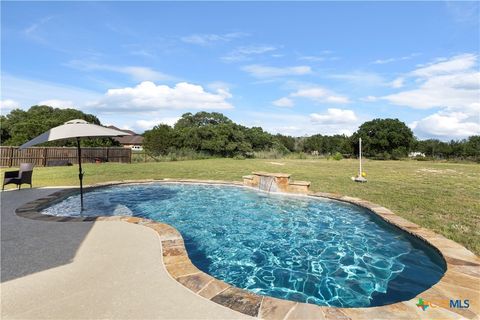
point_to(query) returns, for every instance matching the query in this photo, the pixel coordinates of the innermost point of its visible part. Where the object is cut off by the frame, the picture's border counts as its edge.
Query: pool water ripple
(303, 249)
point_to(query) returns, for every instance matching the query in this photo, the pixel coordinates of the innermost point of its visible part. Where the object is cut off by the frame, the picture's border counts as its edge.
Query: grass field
(444, 197)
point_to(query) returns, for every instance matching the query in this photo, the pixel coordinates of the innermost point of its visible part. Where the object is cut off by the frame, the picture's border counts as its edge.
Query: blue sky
(291, 67)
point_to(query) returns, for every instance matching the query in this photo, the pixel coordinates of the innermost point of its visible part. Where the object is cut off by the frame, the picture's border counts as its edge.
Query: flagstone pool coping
(461, 280)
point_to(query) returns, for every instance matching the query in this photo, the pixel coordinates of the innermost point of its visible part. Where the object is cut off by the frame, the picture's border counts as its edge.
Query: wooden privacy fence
(45, 156)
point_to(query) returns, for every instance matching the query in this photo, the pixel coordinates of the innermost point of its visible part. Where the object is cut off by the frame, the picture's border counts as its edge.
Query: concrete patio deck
(89, 270)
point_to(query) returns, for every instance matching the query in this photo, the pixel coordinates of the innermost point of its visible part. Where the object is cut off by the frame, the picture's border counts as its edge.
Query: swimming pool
(299, 248)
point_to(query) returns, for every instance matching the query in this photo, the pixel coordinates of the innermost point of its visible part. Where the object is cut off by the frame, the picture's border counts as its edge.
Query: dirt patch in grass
(277, 163)
(438, 171)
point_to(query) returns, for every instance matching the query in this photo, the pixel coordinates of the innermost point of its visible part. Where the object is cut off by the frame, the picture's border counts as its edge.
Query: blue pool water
(299, 248)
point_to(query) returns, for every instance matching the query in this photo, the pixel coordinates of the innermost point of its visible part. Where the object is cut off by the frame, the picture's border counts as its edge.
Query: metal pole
(360, 142)
(80, 173)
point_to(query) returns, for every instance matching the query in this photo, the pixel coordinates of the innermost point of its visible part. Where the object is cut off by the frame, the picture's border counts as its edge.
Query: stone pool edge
(460, 281)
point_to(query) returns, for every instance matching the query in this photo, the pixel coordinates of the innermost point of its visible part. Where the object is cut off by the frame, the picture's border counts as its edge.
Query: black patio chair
(24, 175)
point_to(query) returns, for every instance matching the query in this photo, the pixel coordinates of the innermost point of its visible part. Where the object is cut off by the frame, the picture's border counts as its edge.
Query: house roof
(133, 138)
(130, 139)
(127, 131)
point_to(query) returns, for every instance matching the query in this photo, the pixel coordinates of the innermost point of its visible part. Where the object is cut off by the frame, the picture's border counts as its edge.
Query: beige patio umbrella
(75, 129)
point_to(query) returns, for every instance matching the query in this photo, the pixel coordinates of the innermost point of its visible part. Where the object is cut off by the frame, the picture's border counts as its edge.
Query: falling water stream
(267, 183)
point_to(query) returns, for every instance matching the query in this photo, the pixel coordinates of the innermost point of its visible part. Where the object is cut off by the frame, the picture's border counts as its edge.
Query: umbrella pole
(80, 173)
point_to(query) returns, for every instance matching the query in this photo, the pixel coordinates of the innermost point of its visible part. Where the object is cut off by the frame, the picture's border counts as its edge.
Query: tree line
(212, 134)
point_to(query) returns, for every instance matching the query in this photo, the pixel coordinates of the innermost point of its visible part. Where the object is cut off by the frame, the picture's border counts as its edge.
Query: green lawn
(444, 197)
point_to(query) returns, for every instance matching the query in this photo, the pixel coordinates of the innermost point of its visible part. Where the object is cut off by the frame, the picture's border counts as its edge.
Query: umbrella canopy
(75, 129)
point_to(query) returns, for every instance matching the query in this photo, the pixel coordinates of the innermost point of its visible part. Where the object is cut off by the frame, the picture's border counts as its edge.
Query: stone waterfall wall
(275, 182)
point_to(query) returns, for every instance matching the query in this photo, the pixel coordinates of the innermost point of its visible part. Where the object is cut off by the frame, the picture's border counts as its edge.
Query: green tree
(433, 148)
(380, 137)
(286, 141)
(201, 119)
(259, 139)
(159, 140)
(472, 147)
(314, 143)
(4, 129)
(329, 144)
(212, 133)
(19, 126)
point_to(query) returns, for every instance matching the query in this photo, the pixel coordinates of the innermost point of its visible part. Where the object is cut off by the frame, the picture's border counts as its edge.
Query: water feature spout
(275, 182)
(266, 183)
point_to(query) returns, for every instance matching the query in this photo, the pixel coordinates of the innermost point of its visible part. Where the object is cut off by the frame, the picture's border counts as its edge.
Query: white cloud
(464, 12)
(147, 96)
(448, 124)
(320, 94)
(384, 61)
(149, 124)
(295, 124)
(261, 71)
(33, 31)
(369, 99)
(390, 60)
(136, 72)
(314, 93)
(283, 102)
(453, 84)
(448, 91)
(7, 105)
(142, 73)
(142, 53)
(211, 38)
(28, 92)
(57, 103)
(245, 53)
(313, 58)
(397, 83)
(361, 79)
(334, 116)
(222, 88)
(325, 55)
(450, 84)
(219, 85)
(455, 64)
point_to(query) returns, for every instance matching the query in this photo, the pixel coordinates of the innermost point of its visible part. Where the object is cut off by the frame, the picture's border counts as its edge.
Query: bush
(337, 156)
(296, 155)
(239, 157)
(399, 153)
(277, 152)
(419, 158)
(270, 154)
(382, 156)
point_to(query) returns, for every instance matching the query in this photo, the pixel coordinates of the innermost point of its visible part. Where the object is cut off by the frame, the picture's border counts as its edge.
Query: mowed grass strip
(444, 197)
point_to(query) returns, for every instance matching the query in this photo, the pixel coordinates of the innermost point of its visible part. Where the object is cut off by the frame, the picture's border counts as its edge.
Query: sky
(296, 68)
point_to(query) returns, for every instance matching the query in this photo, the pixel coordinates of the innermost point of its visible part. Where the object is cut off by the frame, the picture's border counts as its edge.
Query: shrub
(382, 156)
(399, 153)
(239, 157)
(419, 158)
(296, 155)
(270, 154)
(337, 156)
